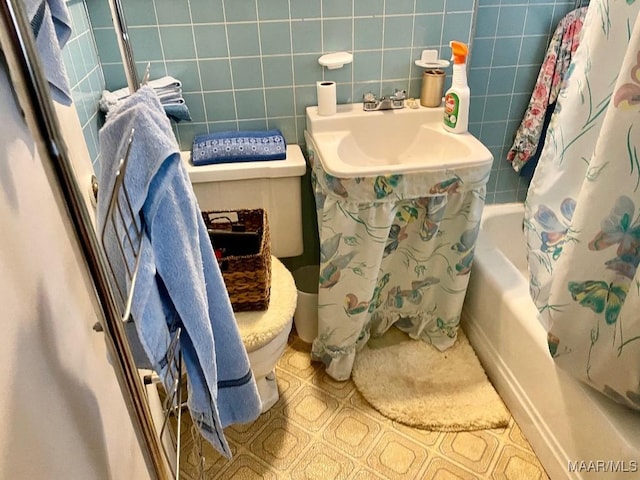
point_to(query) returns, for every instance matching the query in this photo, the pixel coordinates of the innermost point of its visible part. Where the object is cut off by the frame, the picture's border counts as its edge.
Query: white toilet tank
(272, 185)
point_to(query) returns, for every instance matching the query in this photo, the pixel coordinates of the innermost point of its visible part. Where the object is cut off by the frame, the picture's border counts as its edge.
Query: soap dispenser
(456, 100)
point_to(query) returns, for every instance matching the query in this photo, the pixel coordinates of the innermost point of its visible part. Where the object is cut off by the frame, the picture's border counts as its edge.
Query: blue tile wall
(511, 37)
(85, 75)
(248, 63)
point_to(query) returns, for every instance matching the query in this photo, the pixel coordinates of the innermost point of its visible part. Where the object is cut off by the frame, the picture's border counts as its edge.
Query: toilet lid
(260, 327)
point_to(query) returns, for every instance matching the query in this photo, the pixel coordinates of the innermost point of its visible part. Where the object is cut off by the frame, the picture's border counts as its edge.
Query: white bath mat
(415, 384)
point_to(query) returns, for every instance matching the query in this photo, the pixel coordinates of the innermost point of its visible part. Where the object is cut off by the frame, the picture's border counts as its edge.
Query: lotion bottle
(456, 99)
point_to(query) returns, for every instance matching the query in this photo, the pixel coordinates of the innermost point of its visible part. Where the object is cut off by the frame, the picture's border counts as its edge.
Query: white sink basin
(355, 143)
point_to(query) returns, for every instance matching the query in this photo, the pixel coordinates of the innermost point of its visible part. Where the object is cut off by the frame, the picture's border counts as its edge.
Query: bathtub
(566, 422)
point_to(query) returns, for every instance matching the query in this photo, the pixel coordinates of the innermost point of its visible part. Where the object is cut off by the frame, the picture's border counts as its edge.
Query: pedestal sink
(399, 202)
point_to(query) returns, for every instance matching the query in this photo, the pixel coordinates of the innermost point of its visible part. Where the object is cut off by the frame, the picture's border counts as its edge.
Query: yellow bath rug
(415, 384)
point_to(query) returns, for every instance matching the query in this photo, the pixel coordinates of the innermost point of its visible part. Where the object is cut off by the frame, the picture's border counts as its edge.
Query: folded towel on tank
(51, 26)
(238, 146)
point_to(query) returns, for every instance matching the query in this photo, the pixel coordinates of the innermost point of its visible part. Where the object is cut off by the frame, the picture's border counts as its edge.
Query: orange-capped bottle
(456, 99)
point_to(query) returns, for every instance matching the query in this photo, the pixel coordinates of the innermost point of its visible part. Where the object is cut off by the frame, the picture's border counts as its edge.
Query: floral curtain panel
(395, 250)
(582, 214)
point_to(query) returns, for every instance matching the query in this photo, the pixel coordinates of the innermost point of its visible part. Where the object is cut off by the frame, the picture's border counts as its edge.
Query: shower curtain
(582, 213)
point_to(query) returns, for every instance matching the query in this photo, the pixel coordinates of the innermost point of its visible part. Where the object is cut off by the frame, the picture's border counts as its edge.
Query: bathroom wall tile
(240, 10)
(216, 74)
(206, 11)
(187, 72)
(186, 131)
(68, 60)
(305, 8)
(459, 6)
(497, 108)
(519, 103)
(246, 72)
(343, 93)
(253, 124)
(396, 64)
(456, 27)
(307, 70)
(157, 69)
(177, 42)
(146, 44)
(487, 22)
(526, 77)
(501, 80)
(476, 110)
(506, 52)
(243, 39)
(250, 104)
(367, 65)
(342, 76)
(273, 10)
(511, 21)
(368, 7)
(114, 76)
(288, 127)
(428, 30)
(430, 6)
(211, 41)
(482, 52)
(398, 31)
(307, 36)
(533, 50)
(220, 106)
(507, 180)
(195, 104)
(278, 71)
(367, 33)
(336, 35)
(107, 46)
(169, 13)
(492, 133)
(398, 7)
(305, 97)
(478, 79)
(140, 12)
(538, 19)
(99, 14)
(279, 102)
(275, 38)
(336, 8)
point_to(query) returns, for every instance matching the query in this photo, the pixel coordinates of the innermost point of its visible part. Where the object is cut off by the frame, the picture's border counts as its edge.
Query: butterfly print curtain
(394, 250)
(582, 213)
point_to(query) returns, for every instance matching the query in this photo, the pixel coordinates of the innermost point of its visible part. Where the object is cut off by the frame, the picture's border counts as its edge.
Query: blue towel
(179, 282)
(243, 146)
(177, 110)
(51, 28)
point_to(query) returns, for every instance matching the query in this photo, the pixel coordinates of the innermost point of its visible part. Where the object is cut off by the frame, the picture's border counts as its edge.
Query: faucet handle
(369, 97)
(399, 94)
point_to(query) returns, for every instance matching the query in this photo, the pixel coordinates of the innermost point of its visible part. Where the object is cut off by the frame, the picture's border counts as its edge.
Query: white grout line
(264, 94)
(233, 90)
(195, 49)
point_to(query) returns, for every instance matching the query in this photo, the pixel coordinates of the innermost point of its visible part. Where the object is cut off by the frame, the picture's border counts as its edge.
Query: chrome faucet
(370, 103)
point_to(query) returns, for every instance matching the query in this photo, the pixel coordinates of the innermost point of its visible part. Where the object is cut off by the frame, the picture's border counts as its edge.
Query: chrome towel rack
(32, 94)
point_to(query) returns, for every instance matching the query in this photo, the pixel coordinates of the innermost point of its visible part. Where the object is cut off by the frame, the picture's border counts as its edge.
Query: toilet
(274, 186)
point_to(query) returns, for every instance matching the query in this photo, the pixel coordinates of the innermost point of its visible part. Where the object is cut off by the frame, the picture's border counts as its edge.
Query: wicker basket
(243, 248)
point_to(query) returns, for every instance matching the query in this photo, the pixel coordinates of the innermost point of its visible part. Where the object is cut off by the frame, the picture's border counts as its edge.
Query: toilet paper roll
(326, 98)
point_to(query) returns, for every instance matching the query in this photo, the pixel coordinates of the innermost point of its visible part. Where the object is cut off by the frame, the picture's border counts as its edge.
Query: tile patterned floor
(323, 429)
